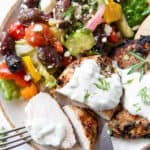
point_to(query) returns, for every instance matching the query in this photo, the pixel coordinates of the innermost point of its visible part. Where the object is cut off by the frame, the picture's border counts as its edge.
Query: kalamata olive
(31, 3)
(48, 56)
(64, 25)
(7, 43)
(29, 15)
(14, 63)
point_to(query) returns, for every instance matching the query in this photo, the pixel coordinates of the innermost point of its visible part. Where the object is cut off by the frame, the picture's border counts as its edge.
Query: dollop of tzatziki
(89, 87)
(44, 127)
(137, 93)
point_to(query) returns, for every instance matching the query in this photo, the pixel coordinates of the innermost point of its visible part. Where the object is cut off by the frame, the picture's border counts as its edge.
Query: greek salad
(48, 35)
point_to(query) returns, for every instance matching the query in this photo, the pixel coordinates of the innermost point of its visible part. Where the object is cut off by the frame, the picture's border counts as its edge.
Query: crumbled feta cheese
(53, 21)
(104, 39)
(37, 28)
(50, 66)
(67, 54)
(27, 77)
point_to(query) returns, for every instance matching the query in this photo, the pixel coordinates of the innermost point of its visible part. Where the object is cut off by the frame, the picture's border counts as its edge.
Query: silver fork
(14, 138)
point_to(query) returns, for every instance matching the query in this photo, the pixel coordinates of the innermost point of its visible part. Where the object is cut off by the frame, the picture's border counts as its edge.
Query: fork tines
(14, 138)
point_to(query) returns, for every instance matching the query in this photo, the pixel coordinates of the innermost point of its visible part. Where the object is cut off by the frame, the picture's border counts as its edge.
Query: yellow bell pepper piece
(113, 12)
(29, 91)
(31, 69)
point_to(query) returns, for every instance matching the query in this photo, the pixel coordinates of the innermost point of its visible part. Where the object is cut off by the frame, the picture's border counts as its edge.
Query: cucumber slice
(80, 41)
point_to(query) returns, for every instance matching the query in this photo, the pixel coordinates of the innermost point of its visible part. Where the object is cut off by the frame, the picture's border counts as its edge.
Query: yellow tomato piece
(113, 12)
(31, 69)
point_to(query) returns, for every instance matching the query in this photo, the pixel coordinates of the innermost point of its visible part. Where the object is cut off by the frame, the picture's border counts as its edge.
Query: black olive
(48, 56)
(31, 3)
(64, 25)
(14, 63)
(7, 43)
(29, 15)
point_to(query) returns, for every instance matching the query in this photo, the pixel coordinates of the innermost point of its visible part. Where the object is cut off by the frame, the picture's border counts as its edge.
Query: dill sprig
(86, 96)
(145, 97)
(137, 107)
(140, 66)
(102, 84)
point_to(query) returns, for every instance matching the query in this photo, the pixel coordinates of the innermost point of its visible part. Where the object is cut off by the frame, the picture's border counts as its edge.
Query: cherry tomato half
(113, 37)
(17, 30)
(38, 34)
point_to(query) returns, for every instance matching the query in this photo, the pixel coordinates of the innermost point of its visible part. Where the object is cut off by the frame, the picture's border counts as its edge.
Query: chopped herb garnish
(138, 66)
(137, 107)
(102, 84)
(137, 56)
(86, 96)
(129, 81)
(145, 97)
(69, 13)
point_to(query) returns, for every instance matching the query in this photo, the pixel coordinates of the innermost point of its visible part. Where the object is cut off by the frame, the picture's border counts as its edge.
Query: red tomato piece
(58, 46)
(17, 77)
(38, 34)
(17, 30)
(66, 61)
(113, 37)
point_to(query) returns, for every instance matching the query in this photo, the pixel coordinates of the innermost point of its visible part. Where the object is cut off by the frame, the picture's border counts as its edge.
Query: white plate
(14, 111)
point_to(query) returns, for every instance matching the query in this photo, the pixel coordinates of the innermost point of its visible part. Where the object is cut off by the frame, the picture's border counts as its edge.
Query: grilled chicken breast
(106, 69)
(125, 125)
(85, 125)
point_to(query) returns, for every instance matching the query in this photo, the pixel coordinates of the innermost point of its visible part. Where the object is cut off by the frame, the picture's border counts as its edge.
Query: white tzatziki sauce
(137, 93)
(89, 87)
(43, 126)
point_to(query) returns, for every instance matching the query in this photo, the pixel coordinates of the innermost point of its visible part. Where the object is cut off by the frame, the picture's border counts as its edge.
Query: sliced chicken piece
(125, 125)
(85, 125)
(106, 69)
(47, 123)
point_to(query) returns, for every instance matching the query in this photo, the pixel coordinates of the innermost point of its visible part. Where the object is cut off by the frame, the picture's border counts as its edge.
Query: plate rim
(8, 120)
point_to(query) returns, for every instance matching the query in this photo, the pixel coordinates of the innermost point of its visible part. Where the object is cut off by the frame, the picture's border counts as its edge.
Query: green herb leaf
(142, 72)
(129, 81)
(69, 13)
(137, 56)
(143, 94)
(102, 84)
(136, 67)
(135, 11)
(137, 107)
(86, 96)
